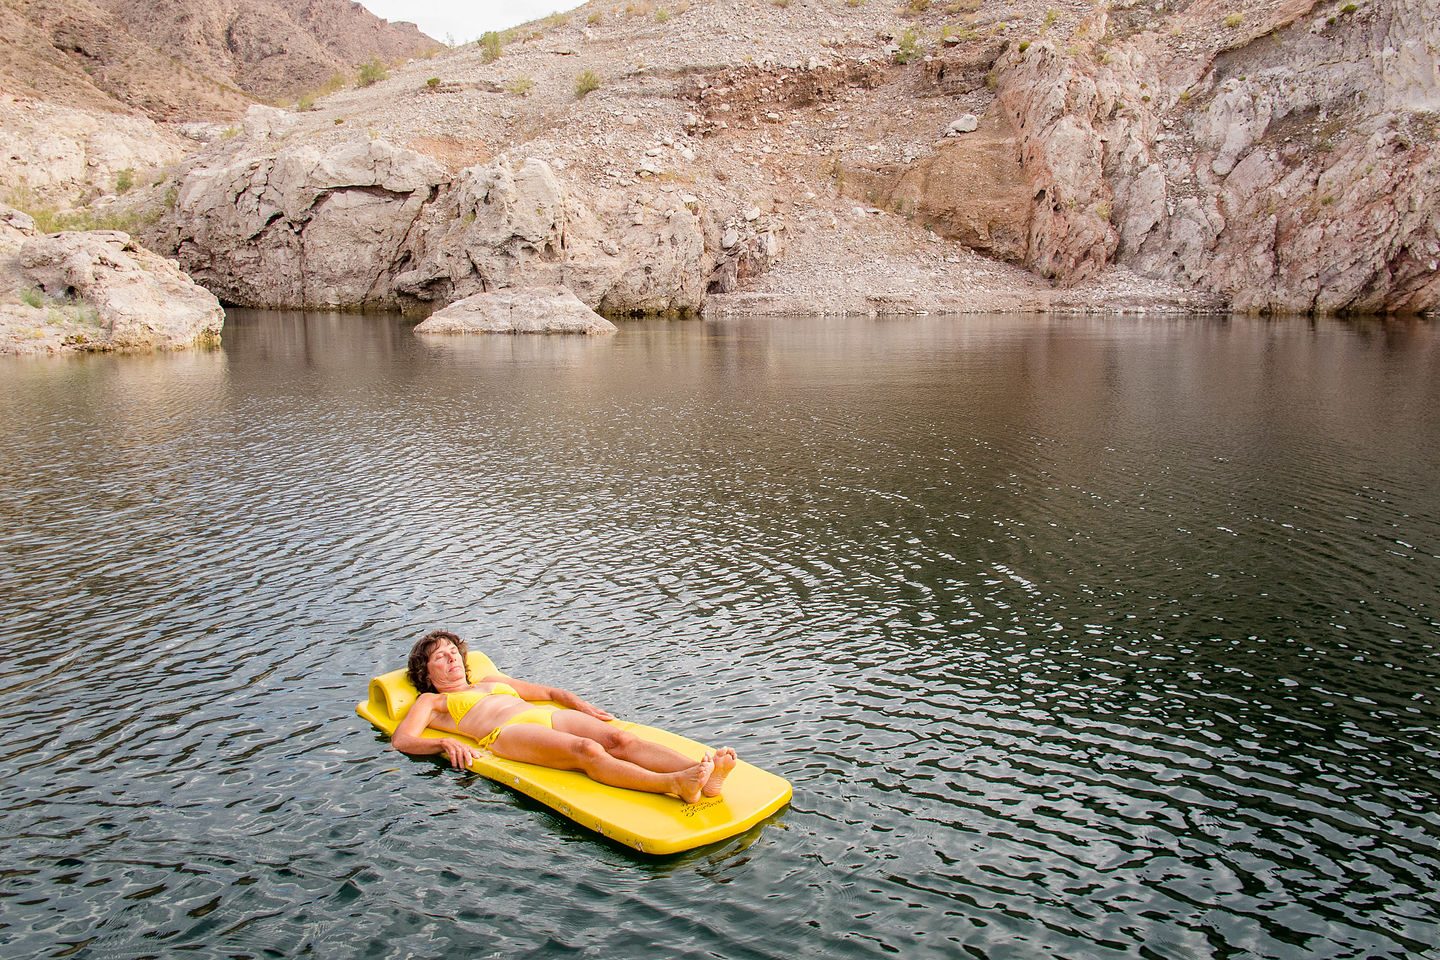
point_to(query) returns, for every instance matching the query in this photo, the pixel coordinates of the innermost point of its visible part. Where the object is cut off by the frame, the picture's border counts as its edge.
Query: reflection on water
(1077, 638)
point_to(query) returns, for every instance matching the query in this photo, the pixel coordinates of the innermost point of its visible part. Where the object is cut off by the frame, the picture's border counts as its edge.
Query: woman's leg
(621, 743)
(535, 743)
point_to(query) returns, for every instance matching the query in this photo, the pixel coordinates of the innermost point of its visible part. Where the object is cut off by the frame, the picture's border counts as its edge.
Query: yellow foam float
(650, 823)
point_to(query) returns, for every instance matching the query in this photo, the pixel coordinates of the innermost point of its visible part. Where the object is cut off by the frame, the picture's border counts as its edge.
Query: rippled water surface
(1076, 638)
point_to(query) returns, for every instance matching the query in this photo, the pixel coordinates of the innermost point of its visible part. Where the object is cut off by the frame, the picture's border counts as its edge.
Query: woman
(498, 712)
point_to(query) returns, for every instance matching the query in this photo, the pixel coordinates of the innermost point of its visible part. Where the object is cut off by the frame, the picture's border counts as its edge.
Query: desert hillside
(766, 156)
(187, 59)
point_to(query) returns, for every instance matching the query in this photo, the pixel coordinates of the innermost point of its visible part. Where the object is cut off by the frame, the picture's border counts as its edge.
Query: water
(1085, 638)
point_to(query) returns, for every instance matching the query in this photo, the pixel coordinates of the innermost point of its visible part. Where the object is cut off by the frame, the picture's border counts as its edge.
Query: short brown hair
(418, 669)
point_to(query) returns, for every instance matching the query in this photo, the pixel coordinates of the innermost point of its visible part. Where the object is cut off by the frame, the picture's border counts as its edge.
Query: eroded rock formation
(108, 293)
(375, 224)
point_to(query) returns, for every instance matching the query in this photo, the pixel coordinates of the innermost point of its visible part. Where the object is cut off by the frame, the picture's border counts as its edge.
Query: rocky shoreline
(735, 157)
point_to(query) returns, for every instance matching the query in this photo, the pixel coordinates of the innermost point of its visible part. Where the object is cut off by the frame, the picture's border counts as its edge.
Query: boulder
(304, 227)
(966, 123)
(523, 310)
(140, 299)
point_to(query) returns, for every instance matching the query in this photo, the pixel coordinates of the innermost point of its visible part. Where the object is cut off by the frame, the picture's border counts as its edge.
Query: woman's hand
(460, 755)
(575, 703)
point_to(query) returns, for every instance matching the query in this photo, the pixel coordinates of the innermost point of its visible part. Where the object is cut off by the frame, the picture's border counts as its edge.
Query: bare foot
(689, 782)
(725, 761)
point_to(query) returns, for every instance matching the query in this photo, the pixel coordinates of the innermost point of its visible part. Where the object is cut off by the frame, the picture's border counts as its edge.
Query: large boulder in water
(524, 310)
(141, 300)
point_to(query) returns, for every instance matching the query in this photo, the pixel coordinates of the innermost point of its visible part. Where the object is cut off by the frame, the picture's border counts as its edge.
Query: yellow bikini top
(459, 704)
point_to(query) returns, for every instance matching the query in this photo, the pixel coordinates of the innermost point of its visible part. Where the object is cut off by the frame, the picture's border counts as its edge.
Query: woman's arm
(535, 693)
(407, 738)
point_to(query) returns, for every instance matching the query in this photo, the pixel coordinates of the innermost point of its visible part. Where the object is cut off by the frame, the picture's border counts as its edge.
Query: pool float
(650, 823)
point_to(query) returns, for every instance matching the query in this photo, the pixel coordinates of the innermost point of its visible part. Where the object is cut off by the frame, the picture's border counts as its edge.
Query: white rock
(965, 123)
(518, 310)
(142, 300)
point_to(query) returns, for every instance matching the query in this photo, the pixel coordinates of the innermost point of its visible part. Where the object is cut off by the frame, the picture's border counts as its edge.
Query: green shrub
(33, 297)
(661, 16)
(520, 86)
(372, 72)
(585, 83)
(433, 84)
(1234, 20)
(1349, 8)
(124, 180)
(594, 18)
(490, 47)
(909, 44)
(1024, 45)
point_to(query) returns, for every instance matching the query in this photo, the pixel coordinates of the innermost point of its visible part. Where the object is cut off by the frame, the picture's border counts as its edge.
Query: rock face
(302, 227)
(373, 224)
(525, 310)
(140, 299)
(55, 155)
(1266, 168)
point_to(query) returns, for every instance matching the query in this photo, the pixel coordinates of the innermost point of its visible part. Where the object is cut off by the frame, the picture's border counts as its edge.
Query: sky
(465, 20)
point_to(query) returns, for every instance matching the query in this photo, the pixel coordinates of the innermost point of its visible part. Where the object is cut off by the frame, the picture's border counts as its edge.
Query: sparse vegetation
(306, 102)
(1234, 20)
(33, 297)
(587, 82)
(661, 15)
(1024, 45)
(433, 83)
(50, 220)
(594, 18)
(124, 180)
(520, 86)
(917, 6)
(491, 46)
(908, 45)
(371, 73)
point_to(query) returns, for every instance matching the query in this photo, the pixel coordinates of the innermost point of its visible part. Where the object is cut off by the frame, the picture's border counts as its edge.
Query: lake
(1077, 637)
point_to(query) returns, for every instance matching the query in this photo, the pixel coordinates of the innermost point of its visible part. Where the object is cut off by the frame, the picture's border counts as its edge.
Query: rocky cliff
(1274, 155)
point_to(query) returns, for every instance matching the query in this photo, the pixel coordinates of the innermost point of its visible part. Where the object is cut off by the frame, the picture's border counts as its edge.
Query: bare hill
(177, 60)
(78, 54)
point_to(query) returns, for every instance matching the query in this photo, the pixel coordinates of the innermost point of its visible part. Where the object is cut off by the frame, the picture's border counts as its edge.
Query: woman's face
(447, 667)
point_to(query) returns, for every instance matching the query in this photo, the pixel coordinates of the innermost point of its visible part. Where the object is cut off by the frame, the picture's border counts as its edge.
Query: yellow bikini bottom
(540, 715)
